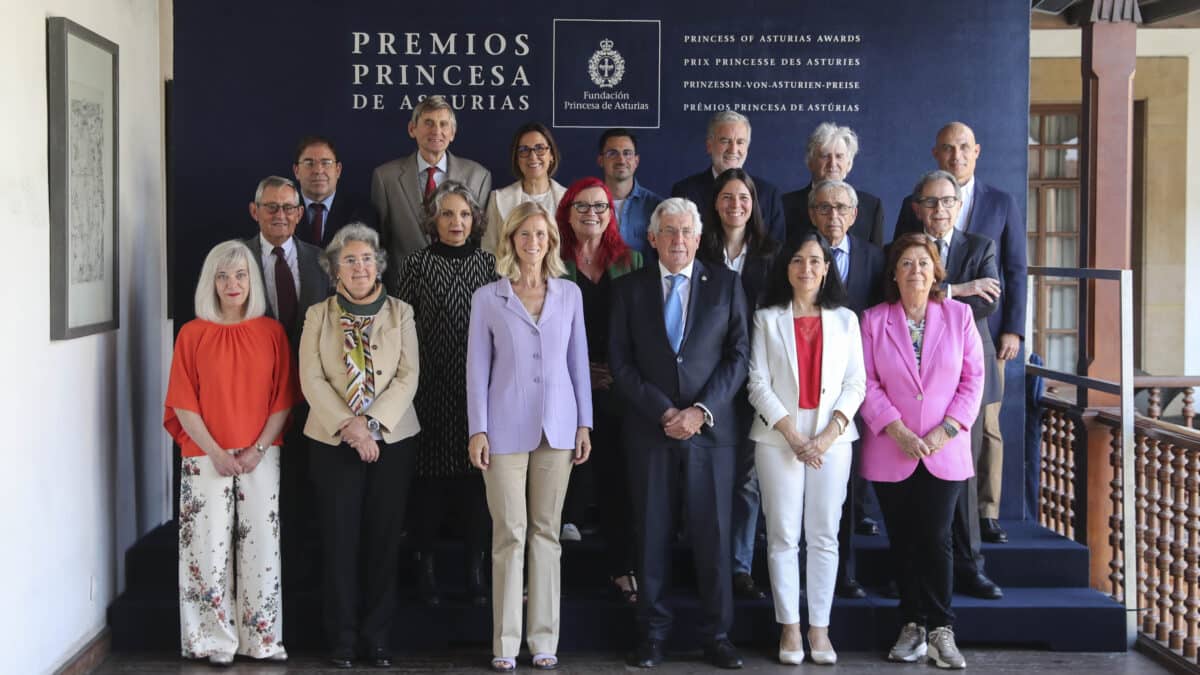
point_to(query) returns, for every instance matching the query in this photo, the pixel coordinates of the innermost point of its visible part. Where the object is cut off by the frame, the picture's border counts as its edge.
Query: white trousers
(220, 518)
(795, 497)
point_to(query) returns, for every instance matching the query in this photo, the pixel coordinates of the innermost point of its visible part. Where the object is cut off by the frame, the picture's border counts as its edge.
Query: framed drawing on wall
(82, 98)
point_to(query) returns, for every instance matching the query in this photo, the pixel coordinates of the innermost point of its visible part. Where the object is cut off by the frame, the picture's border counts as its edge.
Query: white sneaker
(943, 650)
(570, 533)
(910, 646)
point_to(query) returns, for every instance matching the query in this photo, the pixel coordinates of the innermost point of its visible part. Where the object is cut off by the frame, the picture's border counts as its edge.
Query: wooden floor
(1016, 662)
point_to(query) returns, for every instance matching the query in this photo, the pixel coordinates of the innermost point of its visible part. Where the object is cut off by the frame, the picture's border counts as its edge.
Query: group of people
(722, 347)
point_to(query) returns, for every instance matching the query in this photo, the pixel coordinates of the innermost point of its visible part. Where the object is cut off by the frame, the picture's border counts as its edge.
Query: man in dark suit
(317, 169)
(728, 143)
(832, 209)
(400, 187)
(294, 280)
(996, 215)
(680, 374)
(971, 277)
(831, 151)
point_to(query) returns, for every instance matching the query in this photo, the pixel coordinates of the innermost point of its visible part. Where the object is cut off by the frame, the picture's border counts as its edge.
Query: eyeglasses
(827, 208)
(323, 163)
(273, 208)
(932, 202)
(613, 154)
(584, 207)
(671, 233)
(352, 261)
(539, 150)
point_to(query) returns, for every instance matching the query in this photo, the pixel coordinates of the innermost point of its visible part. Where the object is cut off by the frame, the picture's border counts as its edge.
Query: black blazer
(996, 215)
(973, 256)
(864, 279)
(346, 209)
(711, 365)
(699, 189)
(868, 225)
(314, 284)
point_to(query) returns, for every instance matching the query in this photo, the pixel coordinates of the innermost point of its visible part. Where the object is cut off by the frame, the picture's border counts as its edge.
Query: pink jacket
(950, 384)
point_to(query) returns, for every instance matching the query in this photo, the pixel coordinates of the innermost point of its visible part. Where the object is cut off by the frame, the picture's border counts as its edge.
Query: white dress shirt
(964, 215)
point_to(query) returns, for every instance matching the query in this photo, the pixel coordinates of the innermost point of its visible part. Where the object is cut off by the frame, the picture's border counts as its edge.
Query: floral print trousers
(229, 570)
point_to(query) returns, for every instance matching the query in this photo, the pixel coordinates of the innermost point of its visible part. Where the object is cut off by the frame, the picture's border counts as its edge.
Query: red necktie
(285, 290)
(318, 223)
(430, 184)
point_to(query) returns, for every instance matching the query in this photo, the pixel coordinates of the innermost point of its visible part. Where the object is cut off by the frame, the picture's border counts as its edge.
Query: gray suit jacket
(314, 284)
(398, 199)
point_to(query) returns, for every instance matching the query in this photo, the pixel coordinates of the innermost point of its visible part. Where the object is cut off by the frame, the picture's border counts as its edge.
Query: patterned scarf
(360, 389)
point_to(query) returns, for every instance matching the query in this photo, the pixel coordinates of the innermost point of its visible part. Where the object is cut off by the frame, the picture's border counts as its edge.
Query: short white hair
(223, 256)
(823, 185)
(675, 206)
(828, 133)
(723, 117)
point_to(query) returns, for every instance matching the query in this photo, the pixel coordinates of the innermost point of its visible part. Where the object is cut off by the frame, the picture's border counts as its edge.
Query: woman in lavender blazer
(924, 363)
(529, 413)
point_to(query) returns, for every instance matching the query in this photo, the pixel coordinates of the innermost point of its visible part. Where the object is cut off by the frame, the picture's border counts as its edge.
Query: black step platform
(1046, 604)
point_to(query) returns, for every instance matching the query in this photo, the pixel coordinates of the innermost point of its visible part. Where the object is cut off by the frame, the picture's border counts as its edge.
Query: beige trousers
(991, 457)
(229, 598)
(525, 493)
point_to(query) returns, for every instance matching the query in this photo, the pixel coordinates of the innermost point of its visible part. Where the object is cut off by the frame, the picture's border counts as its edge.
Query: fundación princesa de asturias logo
(607, 66)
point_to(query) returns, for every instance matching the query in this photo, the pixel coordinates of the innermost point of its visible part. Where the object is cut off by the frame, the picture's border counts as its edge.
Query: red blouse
(234, 376)
(808, 360)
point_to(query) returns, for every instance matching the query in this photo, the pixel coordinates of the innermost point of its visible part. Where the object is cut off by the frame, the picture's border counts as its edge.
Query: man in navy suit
(833, 211)
(830, 156)
(971, 277)
(326, 210)
(679, 353)
(728, 144)
(996, 215)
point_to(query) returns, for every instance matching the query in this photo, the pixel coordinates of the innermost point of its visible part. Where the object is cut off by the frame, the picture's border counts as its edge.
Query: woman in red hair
(595, 254)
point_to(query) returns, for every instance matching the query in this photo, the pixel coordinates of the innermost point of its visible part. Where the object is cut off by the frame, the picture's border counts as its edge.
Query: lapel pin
(703, 278)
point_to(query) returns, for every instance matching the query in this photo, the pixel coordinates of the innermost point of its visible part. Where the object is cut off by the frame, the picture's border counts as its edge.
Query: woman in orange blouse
(232, 385)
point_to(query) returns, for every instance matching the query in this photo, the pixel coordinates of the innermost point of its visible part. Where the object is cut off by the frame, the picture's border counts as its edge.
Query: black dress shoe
(648, 654)
(743, 587)
(340, 659)
(890, 590)
(849, 588)
(722, 654)
(979, 586)
(380, 658)
(867, 527)
(991, 532)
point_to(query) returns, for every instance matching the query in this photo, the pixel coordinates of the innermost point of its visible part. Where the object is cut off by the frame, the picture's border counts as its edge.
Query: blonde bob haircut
(507, 264)
(223, 256)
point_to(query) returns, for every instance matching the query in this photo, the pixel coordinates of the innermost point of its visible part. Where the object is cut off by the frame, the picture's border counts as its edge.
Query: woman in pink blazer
(924, 365)
(529, 413)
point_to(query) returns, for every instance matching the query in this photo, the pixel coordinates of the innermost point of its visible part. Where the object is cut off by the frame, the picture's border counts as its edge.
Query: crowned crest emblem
(607, 66)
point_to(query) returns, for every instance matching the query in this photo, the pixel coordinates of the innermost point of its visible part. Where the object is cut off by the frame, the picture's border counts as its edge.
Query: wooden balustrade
(1157, 388)
(1062, 428)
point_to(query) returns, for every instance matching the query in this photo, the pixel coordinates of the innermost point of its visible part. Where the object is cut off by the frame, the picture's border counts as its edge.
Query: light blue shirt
(308, 210)
(843, 261)
(633, 219)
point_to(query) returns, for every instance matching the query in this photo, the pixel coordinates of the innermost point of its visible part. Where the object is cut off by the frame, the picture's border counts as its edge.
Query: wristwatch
(262, 449)
(950, 428)
(372, 424)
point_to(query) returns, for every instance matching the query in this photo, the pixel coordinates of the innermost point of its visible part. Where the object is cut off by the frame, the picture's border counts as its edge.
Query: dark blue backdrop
(251, 79)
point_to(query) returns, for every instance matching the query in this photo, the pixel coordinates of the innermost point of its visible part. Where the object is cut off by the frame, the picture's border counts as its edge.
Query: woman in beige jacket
(358, 370)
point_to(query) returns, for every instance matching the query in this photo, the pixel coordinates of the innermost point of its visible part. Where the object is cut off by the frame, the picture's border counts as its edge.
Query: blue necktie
(673, 311)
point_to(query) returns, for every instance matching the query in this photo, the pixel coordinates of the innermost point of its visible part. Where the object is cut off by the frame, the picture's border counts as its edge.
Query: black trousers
(705, 476)
(362, 515)
(968, 559)
(299, 539)
(610, 463)
(459, 501)
(918, 511)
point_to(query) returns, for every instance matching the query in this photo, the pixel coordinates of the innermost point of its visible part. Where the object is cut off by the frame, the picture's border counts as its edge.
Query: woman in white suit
(806, 382)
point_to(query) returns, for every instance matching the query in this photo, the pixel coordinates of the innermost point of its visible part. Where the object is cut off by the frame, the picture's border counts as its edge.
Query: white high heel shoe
(824, 657)
(791, 658)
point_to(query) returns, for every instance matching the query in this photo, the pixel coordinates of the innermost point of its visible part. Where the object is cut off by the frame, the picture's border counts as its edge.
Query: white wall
(86, 465)
(1161, 42)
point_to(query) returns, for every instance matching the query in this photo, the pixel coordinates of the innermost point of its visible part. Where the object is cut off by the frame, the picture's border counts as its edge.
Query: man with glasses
(727, 144)
(972, 277)
(634, 203)
(830, 156)
(317, 169)
(679, 352)
(993, 213)
(400, 187)
(833, 211)
(294, 281)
